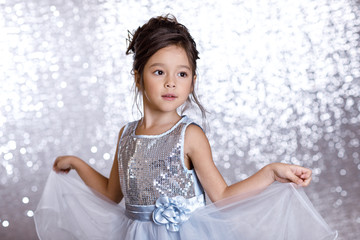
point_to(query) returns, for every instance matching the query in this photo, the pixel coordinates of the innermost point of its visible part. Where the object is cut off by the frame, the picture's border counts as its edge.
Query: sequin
(152, 166)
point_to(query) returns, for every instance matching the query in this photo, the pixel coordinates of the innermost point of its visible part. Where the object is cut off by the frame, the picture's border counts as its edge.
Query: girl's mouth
(169, 97)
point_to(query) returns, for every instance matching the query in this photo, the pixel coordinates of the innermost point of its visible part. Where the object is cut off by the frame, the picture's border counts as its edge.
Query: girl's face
(167, 79)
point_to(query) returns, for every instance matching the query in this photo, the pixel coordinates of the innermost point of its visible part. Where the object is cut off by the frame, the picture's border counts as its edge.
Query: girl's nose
(170, 83)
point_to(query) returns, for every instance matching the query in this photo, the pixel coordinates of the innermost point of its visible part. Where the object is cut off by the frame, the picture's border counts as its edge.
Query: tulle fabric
(68, 209)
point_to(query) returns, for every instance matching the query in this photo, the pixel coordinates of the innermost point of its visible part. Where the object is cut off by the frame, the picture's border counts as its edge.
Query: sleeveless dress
(164, 200)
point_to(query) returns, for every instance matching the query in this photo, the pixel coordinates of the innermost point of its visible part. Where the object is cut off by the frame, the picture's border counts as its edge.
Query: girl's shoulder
(191, 129)
(128, 128)
(191, 124)
(194, 132)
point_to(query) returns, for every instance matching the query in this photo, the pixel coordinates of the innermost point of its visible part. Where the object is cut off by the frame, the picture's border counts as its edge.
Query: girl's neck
(152, 124)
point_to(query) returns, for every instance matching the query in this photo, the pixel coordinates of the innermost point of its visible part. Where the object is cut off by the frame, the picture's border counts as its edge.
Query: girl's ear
(193, 83)
(137, 78)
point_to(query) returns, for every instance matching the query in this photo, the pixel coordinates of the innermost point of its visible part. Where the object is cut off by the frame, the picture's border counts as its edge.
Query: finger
(306, 182)
(56, 169)
(295, 179)
(308, 173)
(282, 180)
(301, 172)
(66, 171)
(56, 161)
(305, 176)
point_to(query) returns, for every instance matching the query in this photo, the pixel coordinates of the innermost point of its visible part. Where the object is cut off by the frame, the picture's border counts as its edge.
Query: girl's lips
(169, 97)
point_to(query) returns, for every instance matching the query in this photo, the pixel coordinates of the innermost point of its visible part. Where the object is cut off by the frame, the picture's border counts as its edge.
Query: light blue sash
(171, 212)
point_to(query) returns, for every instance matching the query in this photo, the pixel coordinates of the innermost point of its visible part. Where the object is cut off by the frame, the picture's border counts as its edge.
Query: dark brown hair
(157, 33)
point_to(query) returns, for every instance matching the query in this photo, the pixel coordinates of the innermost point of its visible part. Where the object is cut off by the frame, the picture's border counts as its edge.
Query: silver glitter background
(281, 80)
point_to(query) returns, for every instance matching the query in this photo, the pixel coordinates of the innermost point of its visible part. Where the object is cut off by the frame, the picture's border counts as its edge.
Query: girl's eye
(182, 74)
(159, 72)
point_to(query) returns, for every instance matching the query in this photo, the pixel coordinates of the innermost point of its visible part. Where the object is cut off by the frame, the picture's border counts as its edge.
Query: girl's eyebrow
(163, 65)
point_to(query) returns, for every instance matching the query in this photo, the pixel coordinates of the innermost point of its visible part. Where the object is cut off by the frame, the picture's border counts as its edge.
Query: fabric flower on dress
(171, 212)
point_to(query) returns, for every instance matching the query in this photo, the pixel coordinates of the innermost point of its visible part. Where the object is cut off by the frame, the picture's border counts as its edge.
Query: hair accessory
(129, 40)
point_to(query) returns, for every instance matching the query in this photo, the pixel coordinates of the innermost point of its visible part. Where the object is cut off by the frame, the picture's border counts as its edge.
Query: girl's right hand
(63, 164)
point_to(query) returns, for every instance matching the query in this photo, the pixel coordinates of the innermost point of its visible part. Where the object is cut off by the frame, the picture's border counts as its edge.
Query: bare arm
(109, 187)
(198, 151)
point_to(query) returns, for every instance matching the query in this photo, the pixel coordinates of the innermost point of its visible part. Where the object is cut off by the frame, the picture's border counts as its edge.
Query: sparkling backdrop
(280, 79)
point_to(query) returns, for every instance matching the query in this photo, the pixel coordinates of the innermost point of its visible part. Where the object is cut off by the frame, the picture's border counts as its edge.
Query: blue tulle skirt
(68, 209)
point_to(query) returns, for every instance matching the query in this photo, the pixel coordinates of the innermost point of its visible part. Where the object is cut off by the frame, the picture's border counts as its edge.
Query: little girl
(163, 167)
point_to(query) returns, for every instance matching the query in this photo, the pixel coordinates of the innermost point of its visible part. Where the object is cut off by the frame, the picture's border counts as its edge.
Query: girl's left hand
(63, 164)
(291, 173)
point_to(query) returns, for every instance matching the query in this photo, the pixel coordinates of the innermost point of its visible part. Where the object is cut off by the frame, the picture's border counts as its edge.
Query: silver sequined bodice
(152, 166)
